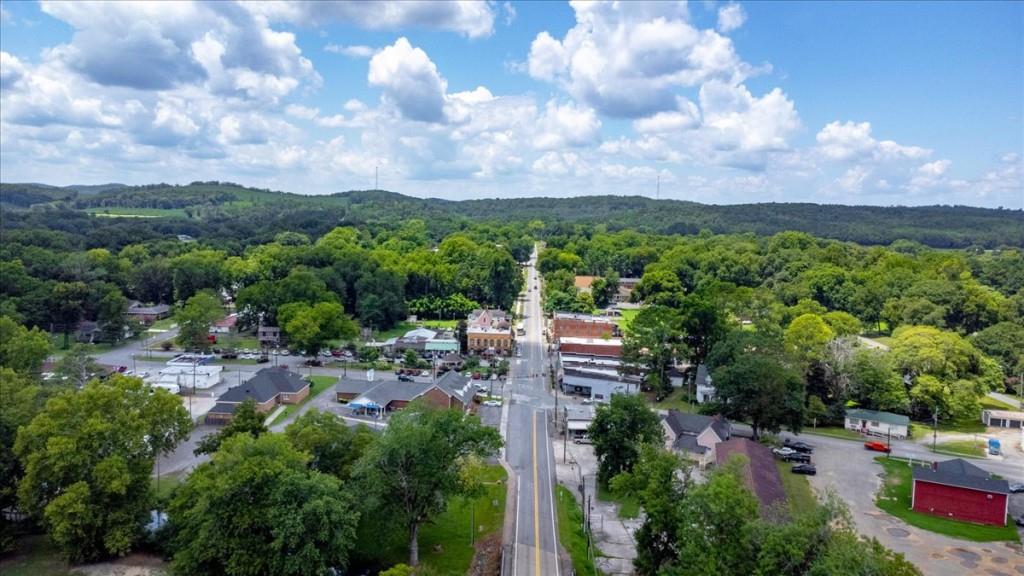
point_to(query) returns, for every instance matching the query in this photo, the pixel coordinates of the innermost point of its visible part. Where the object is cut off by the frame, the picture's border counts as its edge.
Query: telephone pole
(376, 186)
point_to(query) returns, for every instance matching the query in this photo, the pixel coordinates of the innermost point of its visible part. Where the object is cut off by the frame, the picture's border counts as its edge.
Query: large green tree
(619, 431)
(652, 345)
(334, 446)
(415, 466)
(195, 318)
(88, 457)
(257, 509)
(310, 328)
(21, 349)
(245, 420)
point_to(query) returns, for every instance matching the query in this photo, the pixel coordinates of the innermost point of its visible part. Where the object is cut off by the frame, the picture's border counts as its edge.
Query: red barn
(960, 490)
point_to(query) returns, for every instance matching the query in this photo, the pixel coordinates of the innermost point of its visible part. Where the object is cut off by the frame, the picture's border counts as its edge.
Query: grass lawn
(123, 212)
(676, 401)
(629, 506)
(35, 556)
(798, 489)
(167, 484)
(834, 432)
(238, 342)
(969, 448)
(895, 499)
(570, 532)
(163, 324)
(318, 385)
(626, 317)
(445, 543)
(989, 403)
(924, 429)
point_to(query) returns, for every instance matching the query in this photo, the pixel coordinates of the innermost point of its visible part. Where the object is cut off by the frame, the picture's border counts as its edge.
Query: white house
(874, 423)
(695, 436)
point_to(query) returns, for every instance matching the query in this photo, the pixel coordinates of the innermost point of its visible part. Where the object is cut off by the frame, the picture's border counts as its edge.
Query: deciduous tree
(619, 431)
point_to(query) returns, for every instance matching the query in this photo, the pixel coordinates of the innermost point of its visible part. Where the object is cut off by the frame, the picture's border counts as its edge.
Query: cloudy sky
(723, 102)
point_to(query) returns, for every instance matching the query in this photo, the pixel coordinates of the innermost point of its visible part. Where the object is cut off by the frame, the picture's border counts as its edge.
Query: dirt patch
(132, 565)
(486, 557)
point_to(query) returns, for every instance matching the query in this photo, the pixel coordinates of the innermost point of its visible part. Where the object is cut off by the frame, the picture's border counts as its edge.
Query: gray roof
(962, 474)
(872, 415)
(454, 384)
(685, 424)
(354, 386)
(687, 443)
(702, 374)
(266, 384)
(221, 408)
(388, 391)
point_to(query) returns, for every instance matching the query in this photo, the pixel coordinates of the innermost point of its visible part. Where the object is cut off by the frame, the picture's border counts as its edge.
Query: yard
(969, 448)
(570, 533)
(35, 556)
(834, 432)
(629, 506)
(445, 543)
(677, 400)
(894, 498)
(798, 489)
(122, 212)
(318, 385)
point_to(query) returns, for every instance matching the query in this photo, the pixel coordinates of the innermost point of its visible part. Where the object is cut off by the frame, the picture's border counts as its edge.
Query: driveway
(849, 470)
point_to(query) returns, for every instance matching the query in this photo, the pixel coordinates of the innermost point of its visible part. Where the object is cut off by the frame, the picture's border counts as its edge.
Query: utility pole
(657, 190)
(935, 426)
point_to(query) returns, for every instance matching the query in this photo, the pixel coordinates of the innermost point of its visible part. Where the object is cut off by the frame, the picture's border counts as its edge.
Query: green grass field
(445, 543)
(968, 448)
(894, 498)
(988, 403)
(318, 385)
(122, 212)
(626, 317)
(798, 489)
(629, 506)
(676, 401)
(833, 432)
(570, 532)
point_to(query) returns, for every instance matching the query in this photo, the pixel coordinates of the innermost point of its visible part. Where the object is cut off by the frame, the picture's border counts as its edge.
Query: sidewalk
(612, 535)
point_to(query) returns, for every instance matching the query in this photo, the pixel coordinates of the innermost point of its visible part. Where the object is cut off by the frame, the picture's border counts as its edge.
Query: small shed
(959, 490)
(876, 423)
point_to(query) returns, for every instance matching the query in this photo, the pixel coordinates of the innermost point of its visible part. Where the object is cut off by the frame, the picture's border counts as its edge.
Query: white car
(492, 403)
(783, 451)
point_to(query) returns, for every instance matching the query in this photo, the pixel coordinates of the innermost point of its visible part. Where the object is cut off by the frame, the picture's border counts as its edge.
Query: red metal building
(959, 490)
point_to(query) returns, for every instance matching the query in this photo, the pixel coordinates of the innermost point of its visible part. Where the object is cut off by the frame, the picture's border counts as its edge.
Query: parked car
(1019, 520)
(405, 378)
(492, 403)
(877, 446)
(582, 440)
(783, 451)
(800, 457)
(807, 469)
(263, 359)
(312, 362)
(799, 446)
(229, 354)
(1016, 488)
(587, 401)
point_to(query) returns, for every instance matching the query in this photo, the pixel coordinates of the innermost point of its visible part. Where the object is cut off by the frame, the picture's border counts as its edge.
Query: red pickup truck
(877, 446)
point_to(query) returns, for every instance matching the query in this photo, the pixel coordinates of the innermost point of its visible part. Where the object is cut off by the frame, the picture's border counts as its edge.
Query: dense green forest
(221, 210)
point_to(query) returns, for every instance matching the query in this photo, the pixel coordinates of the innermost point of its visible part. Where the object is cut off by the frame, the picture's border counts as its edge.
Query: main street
(528, 444)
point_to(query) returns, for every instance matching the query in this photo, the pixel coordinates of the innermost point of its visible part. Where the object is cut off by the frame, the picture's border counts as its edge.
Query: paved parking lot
(851, 471)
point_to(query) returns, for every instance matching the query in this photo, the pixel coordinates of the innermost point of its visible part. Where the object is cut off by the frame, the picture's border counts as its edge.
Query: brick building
(565, 324)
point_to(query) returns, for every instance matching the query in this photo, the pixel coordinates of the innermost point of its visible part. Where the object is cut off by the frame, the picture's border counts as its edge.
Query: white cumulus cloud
(410, 81)
(731, 17)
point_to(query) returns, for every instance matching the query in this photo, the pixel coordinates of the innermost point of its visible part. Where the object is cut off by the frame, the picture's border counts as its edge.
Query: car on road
(587, 401)
(807, 469)
(799, 446)
(877, 446)
(404, 378)
(800, 457)
(492, 403)
(1016, 488)
(783, 451)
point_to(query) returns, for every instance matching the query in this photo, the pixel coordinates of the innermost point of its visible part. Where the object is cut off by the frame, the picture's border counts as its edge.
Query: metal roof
(872, 415)
(961, 474)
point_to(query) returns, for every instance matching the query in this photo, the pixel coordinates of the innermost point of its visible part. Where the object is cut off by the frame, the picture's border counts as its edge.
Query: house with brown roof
(760, 473)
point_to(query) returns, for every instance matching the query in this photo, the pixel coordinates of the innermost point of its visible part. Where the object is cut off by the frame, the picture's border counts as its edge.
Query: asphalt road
(528, 446)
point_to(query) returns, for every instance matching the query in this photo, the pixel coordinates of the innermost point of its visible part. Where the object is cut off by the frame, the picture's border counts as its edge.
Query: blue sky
(723, 102)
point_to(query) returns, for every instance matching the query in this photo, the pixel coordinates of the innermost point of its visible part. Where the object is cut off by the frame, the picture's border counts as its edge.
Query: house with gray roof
(269, 388)
(379, 397)
(695, 435)
(960, 490)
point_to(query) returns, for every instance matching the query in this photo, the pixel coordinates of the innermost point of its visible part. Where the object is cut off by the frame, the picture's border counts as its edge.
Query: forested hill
(206, 204)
